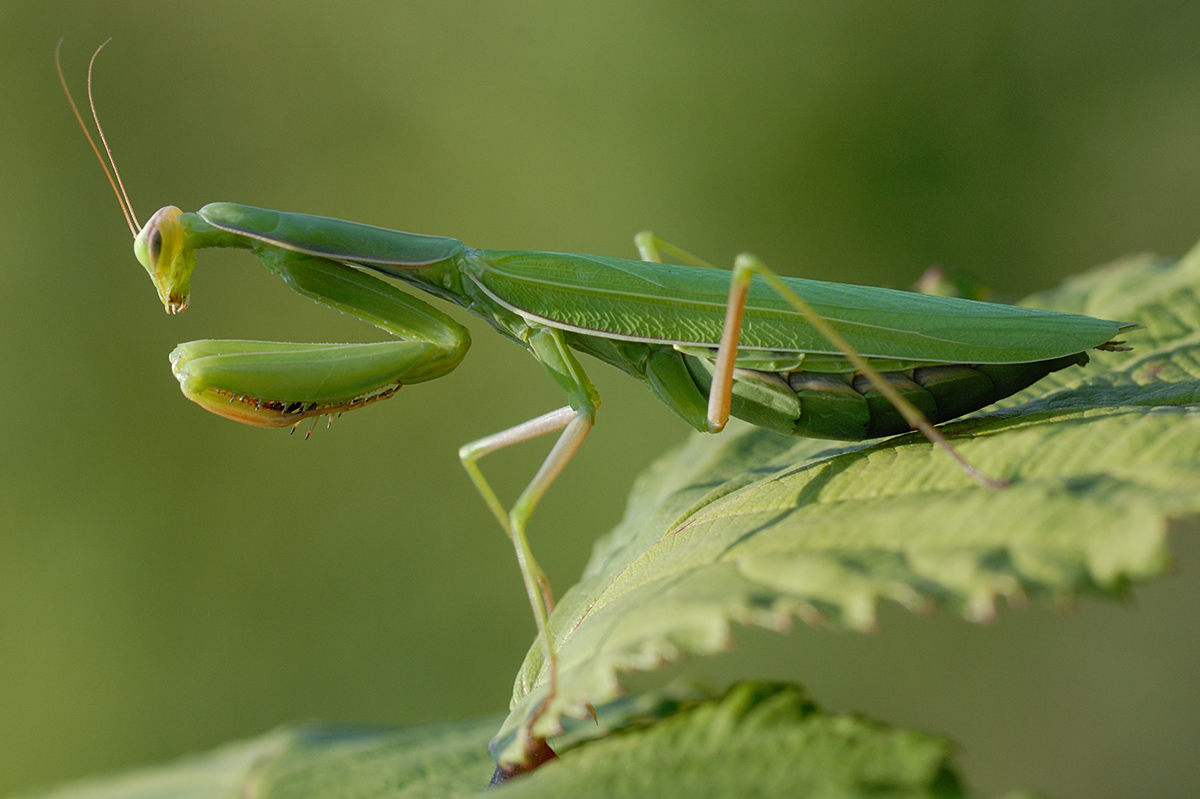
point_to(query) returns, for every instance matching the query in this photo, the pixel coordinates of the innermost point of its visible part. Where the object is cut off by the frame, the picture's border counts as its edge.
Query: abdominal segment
(847, 407)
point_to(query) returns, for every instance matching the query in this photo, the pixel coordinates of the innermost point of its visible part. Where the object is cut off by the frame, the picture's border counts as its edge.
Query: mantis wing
(670, 304)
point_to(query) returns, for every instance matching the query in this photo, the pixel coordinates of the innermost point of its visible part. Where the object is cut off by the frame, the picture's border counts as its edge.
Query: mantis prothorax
(800, 357)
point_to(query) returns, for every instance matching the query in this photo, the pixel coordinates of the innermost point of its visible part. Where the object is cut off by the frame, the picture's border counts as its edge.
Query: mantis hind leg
(745, 267)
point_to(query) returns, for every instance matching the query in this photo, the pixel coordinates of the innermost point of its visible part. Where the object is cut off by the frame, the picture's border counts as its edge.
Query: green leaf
(761, 740)
(315, 762)
(760, 529)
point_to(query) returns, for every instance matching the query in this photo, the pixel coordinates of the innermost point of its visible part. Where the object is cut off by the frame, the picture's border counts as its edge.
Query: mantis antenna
(117, 186)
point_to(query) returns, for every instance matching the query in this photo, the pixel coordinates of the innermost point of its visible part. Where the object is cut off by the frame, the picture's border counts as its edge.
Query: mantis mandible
(800, 357)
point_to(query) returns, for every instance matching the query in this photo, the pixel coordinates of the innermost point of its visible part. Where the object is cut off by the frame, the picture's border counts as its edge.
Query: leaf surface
(762, 740)
(760, 529)
(315, 762)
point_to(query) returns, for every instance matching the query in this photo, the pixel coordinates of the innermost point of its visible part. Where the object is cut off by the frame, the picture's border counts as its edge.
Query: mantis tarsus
(797, 356)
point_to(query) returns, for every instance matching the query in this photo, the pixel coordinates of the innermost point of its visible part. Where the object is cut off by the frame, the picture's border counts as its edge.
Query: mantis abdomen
(830, 401)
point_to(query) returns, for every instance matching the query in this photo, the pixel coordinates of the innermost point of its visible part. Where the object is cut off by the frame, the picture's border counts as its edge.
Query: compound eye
(155, 245)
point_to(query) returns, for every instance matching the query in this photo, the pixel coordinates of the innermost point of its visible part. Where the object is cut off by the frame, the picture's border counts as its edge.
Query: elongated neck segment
(425, 261)
(200, 234)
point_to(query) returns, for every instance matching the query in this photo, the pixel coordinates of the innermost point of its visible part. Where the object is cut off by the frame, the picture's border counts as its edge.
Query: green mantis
(796, 356)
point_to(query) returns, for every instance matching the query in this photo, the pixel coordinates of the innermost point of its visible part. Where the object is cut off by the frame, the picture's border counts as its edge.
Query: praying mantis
(800, 357)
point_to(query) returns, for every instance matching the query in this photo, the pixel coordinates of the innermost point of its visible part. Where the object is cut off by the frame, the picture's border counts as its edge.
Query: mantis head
(162, 245)
(162, 248)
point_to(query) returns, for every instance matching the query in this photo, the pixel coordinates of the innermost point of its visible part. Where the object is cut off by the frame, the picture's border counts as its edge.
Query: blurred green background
(169, 580)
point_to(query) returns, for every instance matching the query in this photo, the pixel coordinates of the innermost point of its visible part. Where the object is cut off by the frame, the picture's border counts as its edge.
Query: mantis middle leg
(575, 420)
